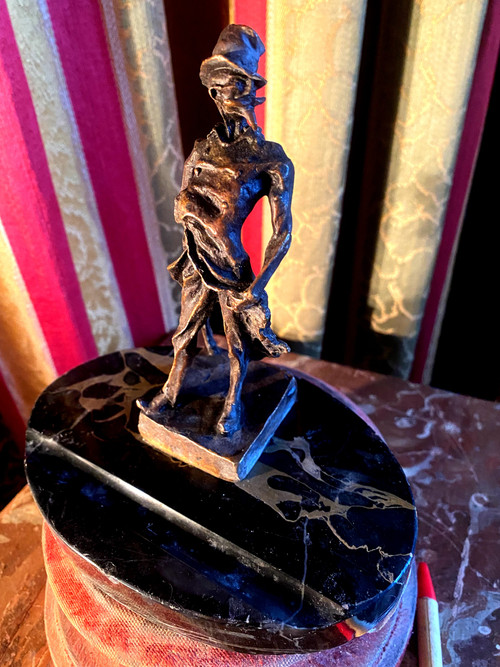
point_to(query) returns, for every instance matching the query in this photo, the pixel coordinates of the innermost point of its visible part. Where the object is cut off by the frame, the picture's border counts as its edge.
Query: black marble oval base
(311, 549)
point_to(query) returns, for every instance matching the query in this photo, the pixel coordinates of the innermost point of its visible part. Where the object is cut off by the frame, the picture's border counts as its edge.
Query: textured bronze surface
(185, 431)
(224, 177)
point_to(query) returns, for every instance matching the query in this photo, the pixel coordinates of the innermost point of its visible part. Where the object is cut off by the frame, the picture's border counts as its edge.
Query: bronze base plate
(187, 431)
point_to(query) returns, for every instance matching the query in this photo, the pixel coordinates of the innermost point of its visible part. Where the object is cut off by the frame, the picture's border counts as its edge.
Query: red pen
(429, 636)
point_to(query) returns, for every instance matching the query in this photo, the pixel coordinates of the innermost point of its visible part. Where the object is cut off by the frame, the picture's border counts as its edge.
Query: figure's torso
(222, 183)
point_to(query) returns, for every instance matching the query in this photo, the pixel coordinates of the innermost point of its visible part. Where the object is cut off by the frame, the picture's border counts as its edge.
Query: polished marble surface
(449, 447)
(459, 548)
(314, 546)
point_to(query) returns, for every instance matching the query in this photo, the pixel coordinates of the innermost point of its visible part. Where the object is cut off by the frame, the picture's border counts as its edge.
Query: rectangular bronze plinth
(187, 431)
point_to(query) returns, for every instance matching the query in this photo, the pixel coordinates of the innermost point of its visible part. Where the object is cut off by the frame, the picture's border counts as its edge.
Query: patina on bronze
(224, 177)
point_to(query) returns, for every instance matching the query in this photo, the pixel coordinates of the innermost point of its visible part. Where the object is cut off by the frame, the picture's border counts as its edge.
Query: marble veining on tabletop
(449, 448)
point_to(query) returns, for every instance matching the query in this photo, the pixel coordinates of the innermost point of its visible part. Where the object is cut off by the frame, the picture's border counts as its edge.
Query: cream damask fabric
(441, 53)
(141, 57)
(313, 51)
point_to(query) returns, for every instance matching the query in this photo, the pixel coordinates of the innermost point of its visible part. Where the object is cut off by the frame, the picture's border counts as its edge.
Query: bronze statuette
(224, 177)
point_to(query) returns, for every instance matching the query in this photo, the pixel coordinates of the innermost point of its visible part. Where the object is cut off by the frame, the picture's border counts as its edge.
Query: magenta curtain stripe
(11, 415)
(254, 14)
(30, 214)
(466, 159)
(81, 40)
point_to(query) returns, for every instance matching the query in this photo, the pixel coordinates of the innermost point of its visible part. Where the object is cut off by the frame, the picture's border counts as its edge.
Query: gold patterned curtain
(312, 69)
(442, 44)
(367, 98)
(419, 61)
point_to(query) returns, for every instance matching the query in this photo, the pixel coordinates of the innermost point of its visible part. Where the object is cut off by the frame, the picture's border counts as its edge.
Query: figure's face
(234, 95)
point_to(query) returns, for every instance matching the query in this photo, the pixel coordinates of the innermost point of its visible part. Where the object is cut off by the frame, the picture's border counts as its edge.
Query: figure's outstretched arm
(280, 198)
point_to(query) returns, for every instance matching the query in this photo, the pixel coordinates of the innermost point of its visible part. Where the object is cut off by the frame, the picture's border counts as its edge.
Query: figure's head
(230, 74)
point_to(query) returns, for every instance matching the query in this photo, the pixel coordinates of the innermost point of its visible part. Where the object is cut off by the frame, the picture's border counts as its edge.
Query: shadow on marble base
(188, 430)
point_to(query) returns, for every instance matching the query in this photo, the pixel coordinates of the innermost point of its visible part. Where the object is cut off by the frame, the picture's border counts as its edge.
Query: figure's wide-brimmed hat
(238, 49)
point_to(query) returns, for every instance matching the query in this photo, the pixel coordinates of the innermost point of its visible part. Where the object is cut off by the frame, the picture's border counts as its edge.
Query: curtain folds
(140, 53)
(68, 171)
(438, 70)
(90, 162)
(312, 68)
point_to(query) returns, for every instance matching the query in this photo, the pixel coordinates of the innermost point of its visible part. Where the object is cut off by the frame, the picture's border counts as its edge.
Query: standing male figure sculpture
(224, 177)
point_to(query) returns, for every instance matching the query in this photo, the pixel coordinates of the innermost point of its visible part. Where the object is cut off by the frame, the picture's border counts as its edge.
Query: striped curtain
(442, 45)
(312, 65)
(421, 57)
(90, 162)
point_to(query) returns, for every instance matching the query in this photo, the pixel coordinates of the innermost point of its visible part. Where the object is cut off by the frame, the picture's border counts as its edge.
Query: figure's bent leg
(172, 386)
(197, 302)
(209, 340)
(230, 419)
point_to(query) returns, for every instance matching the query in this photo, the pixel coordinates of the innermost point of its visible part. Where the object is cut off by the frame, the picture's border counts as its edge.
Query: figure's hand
(240, 301)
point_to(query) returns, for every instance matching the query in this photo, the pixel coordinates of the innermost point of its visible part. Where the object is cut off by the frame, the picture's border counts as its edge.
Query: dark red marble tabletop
(448, 446)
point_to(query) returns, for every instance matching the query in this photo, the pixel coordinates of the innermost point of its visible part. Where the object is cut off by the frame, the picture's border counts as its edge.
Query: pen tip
(425, 587)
